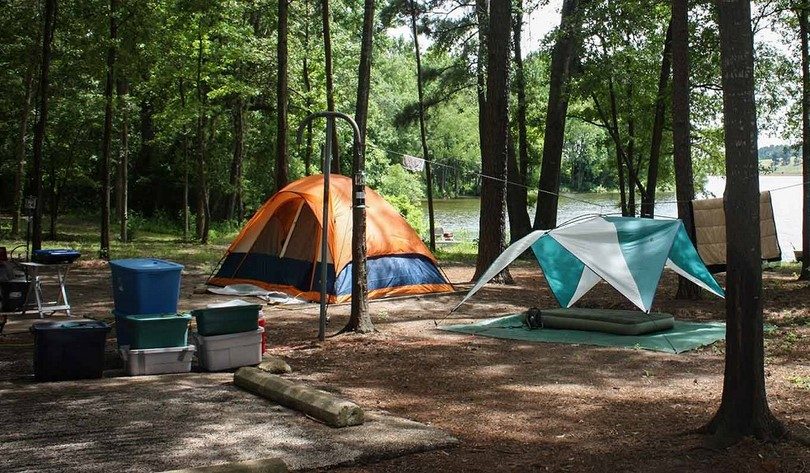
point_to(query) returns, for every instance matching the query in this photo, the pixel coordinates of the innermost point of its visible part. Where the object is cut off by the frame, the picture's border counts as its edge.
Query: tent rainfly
(278, 249)
(628, 253)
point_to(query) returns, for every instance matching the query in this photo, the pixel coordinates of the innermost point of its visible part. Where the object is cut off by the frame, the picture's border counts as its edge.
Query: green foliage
(189, 65)
(403, 190)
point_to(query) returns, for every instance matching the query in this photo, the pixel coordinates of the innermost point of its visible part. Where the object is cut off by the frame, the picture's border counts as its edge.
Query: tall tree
(235, 208)
(517, 202)
(681, 141)
(20, 150)
(482, 17)
(803, 13)
(492, 226)
(122, 186)
(360, 320)
(562, 58)
(48, 28)
(106, 143)
(330, 80)
(203, 212)
(743, 407)
(181, 89)
(422, 129)
(307, 90)
(282, 92)
(648, 198)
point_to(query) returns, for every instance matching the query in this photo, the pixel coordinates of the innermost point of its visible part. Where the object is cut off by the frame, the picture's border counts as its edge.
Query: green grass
(161, 238)
(791, 170)
(81, 233)
(801, 382)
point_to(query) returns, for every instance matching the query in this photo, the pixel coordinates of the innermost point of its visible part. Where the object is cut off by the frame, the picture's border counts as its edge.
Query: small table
(33, 276)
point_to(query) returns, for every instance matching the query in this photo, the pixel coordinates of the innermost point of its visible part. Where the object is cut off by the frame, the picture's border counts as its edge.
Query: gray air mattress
(620, 322)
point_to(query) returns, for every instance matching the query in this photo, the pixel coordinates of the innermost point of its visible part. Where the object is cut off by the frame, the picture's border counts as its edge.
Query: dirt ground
(519, 406)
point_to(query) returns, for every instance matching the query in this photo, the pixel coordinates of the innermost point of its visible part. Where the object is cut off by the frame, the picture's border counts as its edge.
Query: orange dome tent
(279, 248)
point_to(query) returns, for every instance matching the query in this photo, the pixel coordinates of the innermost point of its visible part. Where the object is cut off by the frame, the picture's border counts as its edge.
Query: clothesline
(413, 160)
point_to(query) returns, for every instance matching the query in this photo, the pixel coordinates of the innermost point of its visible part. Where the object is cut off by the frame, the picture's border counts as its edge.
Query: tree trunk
(622, 185)
(561, 59)
(307, 91)
(359, 319)
(106, 143)
(648, 198)
(49, 18)
(681, 142)
(186, 209)
(235, 177)
(20, 151)
(804, 32)
(330, 81)
(516, 198)
(516, 195)
(744, 407)
(202, 124)
(364, 71)
(54, 198)
(491, 242)
(632, 170)
(123, 163)
(482, 16)
(282, 97)
(422, 129)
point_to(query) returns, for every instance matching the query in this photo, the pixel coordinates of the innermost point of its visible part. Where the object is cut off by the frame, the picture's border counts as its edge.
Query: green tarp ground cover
(684, 336)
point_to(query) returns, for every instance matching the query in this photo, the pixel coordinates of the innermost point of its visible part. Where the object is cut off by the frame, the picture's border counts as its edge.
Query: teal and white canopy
(628, 253)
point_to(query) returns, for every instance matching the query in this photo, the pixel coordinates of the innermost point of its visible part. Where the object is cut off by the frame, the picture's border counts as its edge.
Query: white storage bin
(158, 360)
(222, 352)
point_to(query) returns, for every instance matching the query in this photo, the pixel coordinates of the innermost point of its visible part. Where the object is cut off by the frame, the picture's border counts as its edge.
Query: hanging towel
(412, 163)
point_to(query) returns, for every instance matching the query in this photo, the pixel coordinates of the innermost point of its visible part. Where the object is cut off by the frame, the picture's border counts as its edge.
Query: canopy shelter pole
(359, 286)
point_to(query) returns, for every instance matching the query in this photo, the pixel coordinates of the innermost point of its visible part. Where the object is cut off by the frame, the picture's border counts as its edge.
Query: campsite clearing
(517, 406)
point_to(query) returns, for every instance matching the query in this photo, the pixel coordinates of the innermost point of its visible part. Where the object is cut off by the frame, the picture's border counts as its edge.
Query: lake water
(461, 216)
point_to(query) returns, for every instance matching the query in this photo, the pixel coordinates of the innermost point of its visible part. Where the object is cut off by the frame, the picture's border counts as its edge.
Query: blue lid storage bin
(69, 350)
(145, 286)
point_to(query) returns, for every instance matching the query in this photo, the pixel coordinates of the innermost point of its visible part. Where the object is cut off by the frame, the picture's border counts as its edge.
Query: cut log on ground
(267, 465)
(327, 408)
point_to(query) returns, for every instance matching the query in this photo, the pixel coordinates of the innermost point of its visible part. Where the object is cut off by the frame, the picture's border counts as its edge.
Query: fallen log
(267, 465)
(320, 405)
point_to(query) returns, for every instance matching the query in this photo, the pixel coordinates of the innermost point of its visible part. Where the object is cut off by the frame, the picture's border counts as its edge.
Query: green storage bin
(157, 330)
(227, 320)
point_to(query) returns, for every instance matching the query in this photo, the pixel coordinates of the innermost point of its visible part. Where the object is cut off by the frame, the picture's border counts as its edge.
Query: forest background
(194, 116)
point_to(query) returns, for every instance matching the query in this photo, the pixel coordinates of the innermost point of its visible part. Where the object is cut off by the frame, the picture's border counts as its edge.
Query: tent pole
(327, 158)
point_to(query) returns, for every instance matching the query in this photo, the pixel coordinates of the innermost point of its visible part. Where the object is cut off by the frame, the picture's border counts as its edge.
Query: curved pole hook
(300, 132)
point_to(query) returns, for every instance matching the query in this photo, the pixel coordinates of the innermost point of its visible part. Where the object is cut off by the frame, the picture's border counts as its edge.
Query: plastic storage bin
(157, 330)
(69, 350)
(158, 360)
(226, 320)
(121, 329)
(223, 352)
(263, 326)
(13, 294)
(145, 286)
(58, 256)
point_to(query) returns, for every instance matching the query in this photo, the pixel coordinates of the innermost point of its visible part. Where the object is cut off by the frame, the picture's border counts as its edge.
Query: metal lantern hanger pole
(358, 202)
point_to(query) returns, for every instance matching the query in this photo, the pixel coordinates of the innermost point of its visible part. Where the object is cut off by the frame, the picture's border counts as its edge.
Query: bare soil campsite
(511, 406)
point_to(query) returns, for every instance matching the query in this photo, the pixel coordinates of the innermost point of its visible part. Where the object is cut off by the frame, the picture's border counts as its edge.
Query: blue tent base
(684, 336)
